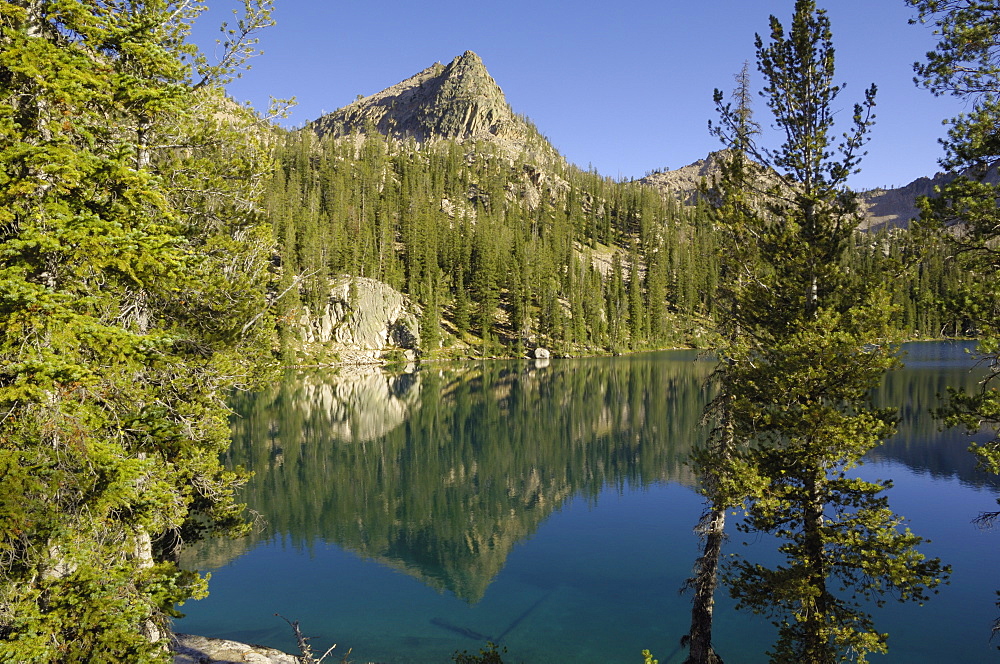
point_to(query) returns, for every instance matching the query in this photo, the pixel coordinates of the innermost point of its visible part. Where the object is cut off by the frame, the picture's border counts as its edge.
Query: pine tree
(638, 330)
(616, 305)
(965, 63)
(809, 344)
(723, 479)
(460, 312)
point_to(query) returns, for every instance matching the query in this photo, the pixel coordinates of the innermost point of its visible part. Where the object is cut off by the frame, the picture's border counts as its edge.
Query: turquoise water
(409, 516)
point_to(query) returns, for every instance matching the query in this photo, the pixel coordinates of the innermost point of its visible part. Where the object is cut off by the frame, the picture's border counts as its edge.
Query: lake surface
(546, 507)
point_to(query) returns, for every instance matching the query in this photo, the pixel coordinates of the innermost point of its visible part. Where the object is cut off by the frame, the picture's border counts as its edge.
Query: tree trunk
(816, 645)
(704, 583)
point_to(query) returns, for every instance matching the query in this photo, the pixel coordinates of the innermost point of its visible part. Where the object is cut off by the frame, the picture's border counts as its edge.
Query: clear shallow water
(547, 508)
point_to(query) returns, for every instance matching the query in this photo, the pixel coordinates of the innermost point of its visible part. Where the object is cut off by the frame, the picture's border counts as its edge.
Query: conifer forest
(506, 254)
(161, 245)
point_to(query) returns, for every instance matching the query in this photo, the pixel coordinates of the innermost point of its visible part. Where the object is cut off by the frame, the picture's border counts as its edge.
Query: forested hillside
(499, 251)
(504, 254)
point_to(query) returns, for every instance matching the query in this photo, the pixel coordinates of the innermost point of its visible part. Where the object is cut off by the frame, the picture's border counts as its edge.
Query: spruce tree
(133, 269)
(430, 316)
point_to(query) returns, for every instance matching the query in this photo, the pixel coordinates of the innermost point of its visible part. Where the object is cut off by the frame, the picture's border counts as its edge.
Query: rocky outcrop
(898, 206)
(362, 320)
(458, 101)
(683, 182)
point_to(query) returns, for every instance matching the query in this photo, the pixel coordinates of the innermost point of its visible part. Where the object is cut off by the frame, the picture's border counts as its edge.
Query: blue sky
(625, 86)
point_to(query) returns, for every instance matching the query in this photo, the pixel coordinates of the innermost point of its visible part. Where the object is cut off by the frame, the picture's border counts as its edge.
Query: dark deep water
(411, 515)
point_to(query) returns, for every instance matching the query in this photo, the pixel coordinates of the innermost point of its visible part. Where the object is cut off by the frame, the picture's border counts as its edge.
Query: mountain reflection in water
(548, 507)
(439, 473)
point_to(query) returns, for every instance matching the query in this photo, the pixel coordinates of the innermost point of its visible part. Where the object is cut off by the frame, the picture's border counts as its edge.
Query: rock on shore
(190, 649)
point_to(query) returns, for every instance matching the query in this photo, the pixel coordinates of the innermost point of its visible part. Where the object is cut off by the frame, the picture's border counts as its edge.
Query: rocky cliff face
(897, 207)
(458, 101)
(683, 182)
(362, 320)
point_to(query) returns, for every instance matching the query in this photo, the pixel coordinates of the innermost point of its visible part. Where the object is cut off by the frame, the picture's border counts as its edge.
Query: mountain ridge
(893, 207)
(504, 252)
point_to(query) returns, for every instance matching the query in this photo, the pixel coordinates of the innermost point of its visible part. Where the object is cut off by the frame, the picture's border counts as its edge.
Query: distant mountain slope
(458, 101)
(896, 207)
(462, 102)
(683, 182)
(435, 187)
(883, 207)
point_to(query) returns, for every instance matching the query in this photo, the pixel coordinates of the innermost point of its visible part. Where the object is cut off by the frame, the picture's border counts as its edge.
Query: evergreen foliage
(501, 249)
(724, 478)
(512, 253)
(965, 216)
(133, 267)
(135, 272)
(805, 343)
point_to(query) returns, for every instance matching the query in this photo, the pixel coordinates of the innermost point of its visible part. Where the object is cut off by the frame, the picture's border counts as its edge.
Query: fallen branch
(305, 649)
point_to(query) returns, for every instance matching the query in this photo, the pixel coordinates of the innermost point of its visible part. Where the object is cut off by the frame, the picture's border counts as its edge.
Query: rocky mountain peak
(459, 100)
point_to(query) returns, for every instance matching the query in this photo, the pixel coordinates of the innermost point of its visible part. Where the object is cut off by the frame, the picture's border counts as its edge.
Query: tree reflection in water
(441, 471)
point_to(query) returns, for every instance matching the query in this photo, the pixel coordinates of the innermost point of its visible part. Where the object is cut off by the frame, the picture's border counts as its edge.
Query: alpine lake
(546, 506)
